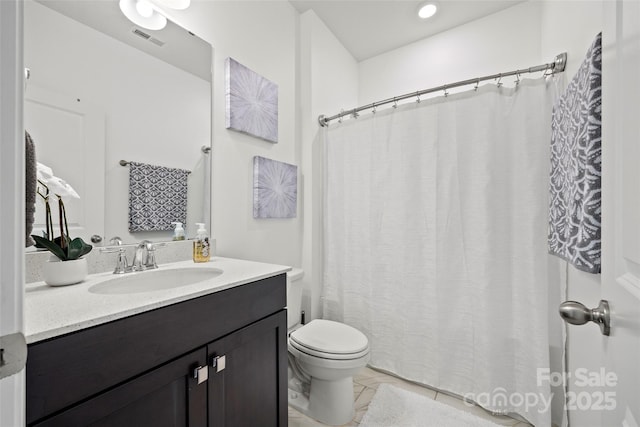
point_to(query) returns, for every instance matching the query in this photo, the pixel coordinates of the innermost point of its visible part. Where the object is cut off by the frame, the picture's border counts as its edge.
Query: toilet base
(330, 402)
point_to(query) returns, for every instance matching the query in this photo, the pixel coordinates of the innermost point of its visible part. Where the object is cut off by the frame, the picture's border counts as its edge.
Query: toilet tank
(294, 296)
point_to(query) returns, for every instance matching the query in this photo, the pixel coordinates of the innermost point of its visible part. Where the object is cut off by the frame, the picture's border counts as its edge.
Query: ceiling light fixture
(427, 10)
(143, 13)
(144, 8)
(147, 14)
(174, 4)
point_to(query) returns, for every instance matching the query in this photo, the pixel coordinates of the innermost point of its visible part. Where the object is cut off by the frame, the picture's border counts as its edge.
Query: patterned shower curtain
(435, 242)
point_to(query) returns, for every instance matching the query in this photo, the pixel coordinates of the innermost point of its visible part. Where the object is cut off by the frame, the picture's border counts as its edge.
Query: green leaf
(40, 245)
(77, 248)
(51, 246)
(58, 241)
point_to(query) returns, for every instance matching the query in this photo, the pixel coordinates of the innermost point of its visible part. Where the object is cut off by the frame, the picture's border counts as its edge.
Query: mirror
(102, 90)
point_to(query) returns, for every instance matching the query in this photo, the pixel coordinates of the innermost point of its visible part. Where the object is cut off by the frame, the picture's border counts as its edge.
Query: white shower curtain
(435, 241)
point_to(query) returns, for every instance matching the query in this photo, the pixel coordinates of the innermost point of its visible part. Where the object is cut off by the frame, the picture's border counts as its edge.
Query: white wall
(262, 36)
(328, 82)
(506, 40)
(155, 113)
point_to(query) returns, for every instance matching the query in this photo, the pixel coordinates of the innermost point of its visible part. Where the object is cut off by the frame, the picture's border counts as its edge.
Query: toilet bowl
(323, 357)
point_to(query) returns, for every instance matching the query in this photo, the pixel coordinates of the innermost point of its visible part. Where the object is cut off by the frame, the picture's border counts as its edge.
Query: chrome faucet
(141, 256)
(144, 257)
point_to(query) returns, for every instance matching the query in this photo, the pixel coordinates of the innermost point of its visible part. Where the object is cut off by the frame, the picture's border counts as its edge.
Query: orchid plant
(63, 246)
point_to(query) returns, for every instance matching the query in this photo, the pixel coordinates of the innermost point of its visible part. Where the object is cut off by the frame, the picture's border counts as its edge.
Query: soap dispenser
(201, 252)
(178, 232)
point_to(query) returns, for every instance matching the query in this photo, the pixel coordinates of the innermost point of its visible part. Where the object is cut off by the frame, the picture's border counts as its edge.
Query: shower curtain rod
(557, 66)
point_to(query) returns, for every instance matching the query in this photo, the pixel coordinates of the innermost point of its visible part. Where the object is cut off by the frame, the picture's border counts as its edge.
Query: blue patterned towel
(576, 165)
(157, 197)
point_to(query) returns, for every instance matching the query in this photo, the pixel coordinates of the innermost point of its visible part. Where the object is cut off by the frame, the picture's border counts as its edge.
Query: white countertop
(53, 311)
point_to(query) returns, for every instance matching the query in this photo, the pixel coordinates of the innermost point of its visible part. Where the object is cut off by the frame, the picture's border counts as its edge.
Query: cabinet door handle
(219, 363)
(201, 373)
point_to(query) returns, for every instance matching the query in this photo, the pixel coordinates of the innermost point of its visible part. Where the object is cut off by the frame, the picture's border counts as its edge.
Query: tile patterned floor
(364, 388)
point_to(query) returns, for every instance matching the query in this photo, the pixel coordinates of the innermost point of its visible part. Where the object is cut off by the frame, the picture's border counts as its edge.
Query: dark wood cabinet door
(248, 380)
(168, 396)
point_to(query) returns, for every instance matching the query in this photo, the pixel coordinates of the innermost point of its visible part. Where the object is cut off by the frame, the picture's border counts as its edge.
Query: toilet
(323, 357)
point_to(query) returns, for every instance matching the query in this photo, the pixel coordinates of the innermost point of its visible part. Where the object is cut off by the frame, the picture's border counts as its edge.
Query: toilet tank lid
(328, 336)
(295, 274)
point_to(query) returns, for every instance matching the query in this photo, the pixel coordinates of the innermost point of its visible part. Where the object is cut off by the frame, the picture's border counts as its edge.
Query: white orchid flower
(61, 188)
(45, 173)
(57, 186)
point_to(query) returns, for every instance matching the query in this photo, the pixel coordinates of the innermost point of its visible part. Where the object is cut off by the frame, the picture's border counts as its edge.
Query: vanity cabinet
(216, 360)
(166, 396)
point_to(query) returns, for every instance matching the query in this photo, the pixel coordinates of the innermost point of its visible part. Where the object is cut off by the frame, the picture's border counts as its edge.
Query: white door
(69, 135)
(11, 217)
(621, 208)
(604, 371)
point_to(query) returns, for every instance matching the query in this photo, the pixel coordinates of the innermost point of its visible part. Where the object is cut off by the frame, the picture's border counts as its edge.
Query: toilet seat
(330, 356)
(327, 339)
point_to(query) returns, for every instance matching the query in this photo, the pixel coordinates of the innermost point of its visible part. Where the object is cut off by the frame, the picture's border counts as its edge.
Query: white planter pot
(62, 273)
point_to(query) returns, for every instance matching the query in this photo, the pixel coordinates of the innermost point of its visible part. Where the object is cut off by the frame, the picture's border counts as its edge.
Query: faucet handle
(122, 266)
(151, 254)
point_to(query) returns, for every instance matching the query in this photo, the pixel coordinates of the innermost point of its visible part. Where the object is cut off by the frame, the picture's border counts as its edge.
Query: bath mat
(394, 407)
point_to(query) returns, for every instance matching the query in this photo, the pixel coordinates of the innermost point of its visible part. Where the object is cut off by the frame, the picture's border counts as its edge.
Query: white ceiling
(365, 27)
(180, 47)
(370, 27)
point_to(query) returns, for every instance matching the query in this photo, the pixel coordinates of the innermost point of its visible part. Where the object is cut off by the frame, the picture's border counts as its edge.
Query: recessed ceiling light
(427, 10)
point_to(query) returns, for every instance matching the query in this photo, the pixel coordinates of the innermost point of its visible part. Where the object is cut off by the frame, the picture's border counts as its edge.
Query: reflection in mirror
(102, 90)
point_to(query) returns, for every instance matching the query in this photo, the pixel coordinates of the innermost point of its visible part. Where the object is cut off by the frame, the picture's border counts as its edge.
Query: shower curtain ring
(446, 93)
(418, 97)
(499, 84)
(375, 108)
(341, 115)
(395, 103)
(517, 79)
(475, 88)
(354, 113)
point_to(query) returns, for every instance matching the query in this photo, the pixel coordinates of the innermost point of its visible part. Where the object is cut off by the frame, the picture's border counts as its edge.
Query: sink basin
(155, 280)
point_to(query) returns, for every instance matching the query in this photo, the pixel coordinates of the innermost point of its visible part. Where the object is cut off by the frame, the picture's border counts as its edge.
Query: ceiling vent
(138, 32)
(156, 41)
